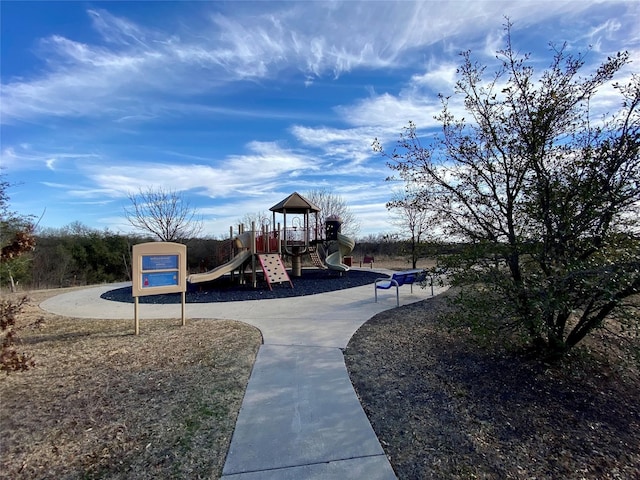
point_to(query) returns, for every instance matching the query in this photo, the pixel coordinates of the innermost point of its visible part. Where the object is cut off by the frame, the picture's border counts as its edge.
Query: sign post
(158, 268)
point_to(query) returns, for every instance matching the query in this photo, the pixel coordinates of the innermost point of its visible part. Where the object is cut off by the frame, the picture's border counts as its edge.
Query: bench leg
(395, 284)
(375, 295)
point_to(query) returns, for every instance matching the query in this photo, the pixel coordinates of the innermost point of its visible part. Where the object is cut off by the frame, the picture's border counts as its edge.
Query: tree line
(77, 255)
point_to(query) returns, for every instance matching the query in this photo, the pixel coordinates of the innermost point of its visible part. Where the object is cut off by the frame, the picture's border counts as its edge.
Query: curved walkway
(300, 417)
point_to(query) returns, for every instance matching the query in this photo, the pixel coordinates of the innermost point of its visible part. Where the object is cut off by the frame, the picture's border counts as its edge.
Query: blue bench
(407, 277)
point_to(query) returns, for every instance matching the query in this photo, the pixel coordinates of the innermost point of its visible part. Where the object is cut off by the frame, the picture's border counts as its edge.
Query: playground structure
(266, 246)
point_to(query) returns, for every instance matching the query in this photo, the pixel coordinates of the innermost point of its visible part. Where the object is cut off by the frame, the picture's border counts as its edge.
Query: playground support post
(253, 246)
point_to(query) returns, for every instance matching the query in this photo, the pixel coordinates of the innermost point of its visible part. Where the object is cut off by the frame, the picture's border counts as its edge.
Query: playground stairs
(315, 258)
(273, 268)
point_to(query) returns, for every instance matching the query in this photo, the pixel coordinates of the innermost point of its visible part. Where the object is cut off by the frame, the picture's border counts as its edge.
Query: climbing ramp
(315, 258)
(273, 268)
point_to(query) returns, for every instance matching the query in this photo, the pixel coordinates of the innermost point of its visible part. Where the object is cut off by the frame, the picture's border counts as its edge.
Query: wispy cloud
(238, 103)
(309, 40)
(117, 30)
(24, 157)
(265, 163)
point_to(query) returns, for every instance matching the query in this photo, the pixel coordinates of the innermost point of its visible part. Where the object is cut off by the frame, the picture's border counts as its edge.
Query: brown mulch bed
(104, 403)
(445, 406)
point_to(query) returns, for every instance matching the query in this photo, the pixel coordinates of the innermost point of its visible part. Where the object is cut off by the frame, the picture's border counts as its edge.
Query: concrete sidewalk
(300, 417)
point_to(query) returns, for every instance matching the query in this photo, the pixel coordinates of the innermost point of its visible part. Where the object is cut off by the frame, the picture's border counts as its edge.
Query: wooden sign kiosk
(158, 268)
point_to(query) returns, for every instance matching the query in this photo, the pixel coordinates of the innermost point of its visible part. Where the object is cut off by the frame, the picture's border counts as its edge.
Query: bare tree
(163, 213)
(329, 204)
(16, 239)
(414, 220)
(544, 194)
(16, 242)
(260, 218)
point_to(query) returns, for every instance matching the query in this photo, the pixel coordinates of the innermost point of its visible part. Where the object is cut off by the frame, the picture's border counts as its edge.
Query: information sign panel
(158, 268)
(160, 262)
(159, 279)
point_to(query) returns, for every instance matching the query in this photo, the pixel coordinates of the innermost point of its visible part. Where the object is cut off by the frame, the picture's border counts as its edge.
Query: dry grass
(104, 403)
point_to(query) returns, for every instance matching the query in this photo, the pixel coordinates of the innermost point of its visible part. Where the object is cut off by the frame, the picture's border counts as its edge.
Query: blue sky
(239, 104)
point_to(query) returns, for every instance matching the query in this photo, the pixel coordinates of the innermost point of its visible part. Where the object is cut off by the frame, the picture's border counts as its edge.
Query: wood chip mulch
(445, 406)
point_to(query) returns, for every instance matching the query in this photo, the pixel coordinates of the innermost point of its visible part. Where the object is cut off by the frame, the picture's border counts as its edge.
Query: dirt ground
(445, 407)
(104, 403)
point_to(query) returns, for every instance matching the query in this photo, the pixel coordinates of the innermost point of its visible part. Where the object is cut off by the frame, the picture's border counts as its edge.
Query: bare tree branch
(163, 213)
